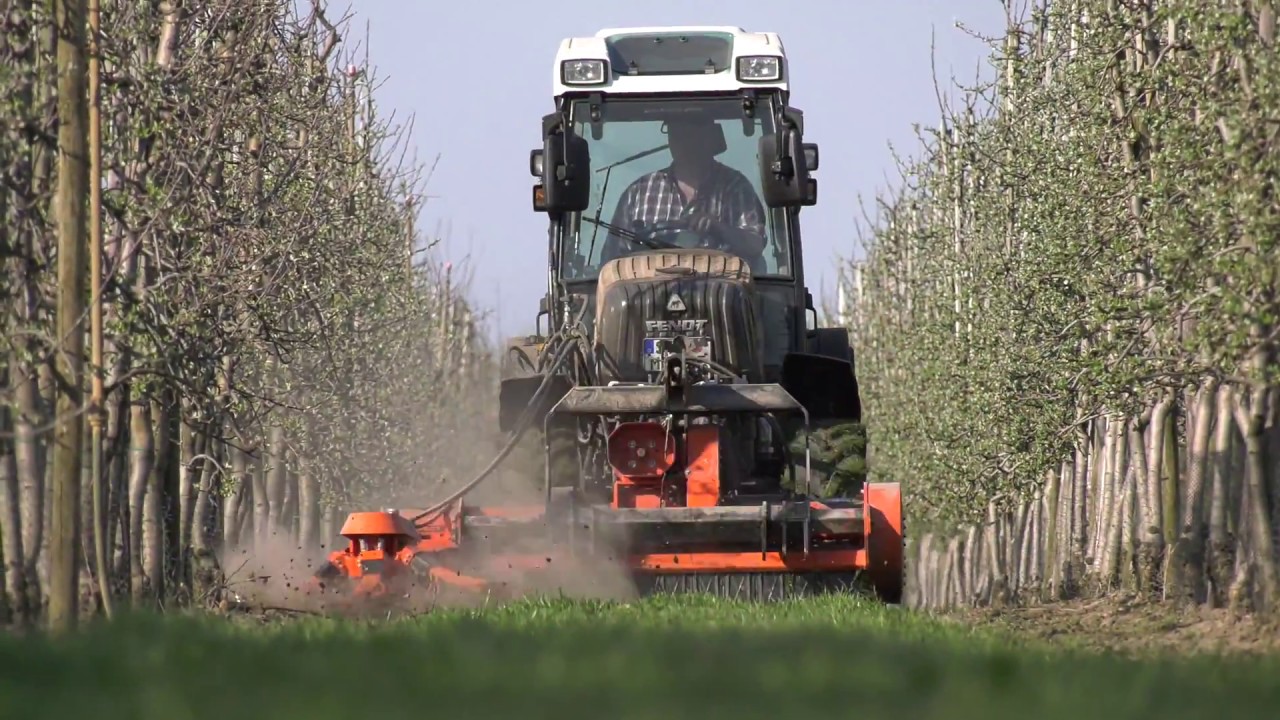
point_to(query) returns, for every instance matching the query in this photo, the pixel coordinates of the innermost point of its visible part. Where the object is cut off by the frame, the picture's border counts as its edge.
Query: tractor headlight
(760, 68)
(582, 72)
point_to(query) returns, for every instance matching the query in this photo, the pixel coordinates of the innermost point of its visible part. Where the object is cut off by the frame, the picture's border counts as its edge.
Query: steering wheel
(676, 234)
(673, 234)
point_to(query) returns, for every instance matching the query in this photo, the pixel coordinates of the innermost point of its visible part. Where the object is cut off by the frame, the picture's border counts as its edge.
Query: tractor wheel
(837, 457)
(528, 458)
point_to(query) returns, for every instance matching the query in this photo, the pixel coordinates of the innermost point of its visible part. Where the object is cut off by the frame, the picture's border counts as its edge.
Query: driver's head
(694, 141)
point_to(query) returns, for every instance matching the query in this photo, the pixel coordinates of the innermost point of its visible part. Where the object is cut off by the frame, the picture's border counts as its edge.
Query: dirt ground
(1130, 626)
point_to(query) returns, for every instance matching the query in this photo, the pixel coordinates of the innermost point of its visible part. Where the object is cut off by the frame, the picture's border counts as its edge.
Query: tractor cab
(650, 264)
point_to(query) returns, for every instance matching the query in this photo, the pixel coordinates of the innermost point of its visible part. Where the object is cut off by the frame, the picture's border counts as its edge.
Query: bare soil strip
(1129, 626)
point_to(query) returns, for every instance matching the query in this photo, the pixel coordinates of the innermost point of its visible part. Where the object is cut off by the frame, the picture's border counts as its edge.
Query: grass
(662, 658)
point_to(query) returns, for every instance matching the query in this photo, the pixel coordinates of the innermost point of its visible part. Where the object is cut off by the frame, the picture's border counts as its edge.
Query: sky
(474, 79)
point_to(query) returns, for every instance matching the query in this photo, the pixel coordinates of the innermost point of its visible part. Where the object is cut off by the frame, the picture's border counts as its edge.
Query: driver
(696, 191)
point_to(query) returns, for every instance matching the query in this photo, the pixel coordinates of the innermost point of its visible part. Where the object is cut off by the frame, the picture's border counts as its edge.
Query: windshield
(643, 198)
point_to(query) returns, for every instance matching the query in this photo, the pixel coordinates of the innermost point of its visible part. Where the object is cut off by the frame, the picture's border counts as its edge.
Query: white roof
(744, 44)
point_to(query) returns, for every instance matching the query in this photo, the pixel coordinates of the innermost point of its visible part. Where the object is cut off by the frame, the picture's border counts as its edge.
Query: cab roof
(673, 58)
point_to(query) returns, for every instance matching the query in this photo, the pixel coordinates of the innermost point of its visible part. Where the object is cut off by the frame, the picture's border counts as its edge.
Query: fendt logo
(674, 327)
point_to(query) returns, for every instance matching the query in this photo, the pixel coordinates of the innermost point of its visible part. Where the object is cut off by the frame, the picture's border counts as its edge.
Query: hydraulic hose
(525, 421)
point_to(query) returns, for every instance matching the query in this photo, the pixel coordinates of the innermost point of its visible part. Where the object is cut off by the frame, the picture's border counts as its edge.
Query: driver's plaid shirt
(725, 194)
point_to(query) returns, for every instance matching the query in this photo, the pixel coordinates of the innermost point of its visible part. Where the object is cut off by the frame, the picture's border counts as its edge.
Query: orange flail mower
(666, 523)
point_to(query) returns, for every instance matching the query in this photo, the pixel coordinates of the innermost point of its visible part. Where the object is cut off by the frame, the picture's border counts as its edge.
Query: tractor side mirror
(535, 168)
(565, 168)
(544, 309)
(784, 176)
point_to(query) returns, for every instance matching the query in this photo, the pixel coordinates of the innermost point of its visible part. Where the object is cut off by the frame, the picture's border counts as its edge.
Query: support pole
(69, 220)
(97, 401)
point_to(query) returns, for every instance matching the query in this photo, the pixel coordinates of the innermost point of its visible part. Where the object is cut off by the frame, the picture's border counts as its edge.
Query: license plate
(655, 349)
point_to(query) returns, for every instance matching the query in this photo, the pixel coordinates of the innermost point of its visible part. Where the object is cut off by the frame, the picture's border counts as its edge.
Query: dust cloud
(276, 573)
(272, 572)
(560, 572)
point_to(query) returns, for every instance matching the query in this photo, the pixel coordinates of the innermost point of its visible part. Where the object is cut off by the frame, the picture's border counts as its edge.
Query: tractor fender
(519, 380)
(824, 382)
(832, 342)
(823, 379)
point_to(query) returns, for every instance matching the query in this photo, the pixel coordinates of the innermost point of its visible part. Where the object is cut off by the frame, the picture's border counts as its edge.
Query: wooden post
(69, 217)
(409, 208)
(97, 401)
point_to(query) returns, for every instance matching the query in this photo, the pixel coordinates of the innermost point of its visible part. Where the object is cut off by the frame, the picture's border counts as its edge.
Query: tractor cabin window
(633, 143)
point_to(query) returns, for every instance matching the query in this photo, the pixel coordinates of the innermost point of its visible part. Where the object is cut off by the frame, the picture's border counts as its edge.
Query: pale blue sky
(476, 77)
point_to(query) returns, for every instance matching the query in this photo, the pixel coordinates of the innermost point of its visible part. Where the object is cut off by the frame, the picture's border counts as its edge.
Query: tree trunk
(309, 509)
(170, 507)
(188, 473)
(1117, 507)
(1130, 514)
(202, 527)
(1250, 412)
(118, 488)
(1184, 582)
(1053, 515)
(276, 475)
(1170, 486)
(143, 460)
(1037, 543)
(1271, 432)
(999, 579)
(240, 488)
(122, 433)
(152, 517)
(1144, 438)
(155, 527)
(13, 585)
(290, 521)
(945, 570)
(28, 454)
(1151, 551)
(328, 519)
(925, 580)
(1080, 510)
(1103, 459)
(247, 529)
(261, 506)
(1013, 544)
(36, 78)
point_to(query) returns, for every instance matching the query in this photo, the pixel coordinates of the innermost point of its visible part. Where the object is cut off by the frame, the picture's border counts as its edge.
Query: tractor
(674, 381)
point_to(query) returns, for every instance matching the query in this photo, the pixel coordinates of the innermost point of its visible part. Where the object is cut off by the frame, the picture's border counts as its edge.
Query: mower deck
(760, 552)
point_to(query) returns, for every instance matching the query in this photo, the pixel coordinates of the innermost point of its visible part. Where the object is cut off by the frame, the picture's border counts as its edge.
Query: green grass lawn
(692, 658)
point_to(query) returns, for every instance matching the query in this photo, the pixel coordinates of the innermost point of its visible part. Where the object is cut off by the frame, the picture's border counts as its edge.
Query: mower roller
(678, 390)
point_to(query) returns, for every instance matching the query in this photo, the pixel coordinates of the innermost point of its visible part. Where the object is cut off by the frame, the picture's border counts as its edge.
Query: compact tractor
(675, 382)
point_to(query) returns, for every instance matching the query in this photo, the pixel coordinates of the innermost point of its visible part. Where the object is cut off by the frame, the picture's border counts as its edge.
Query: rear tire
(837, 457)
(528, 459)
